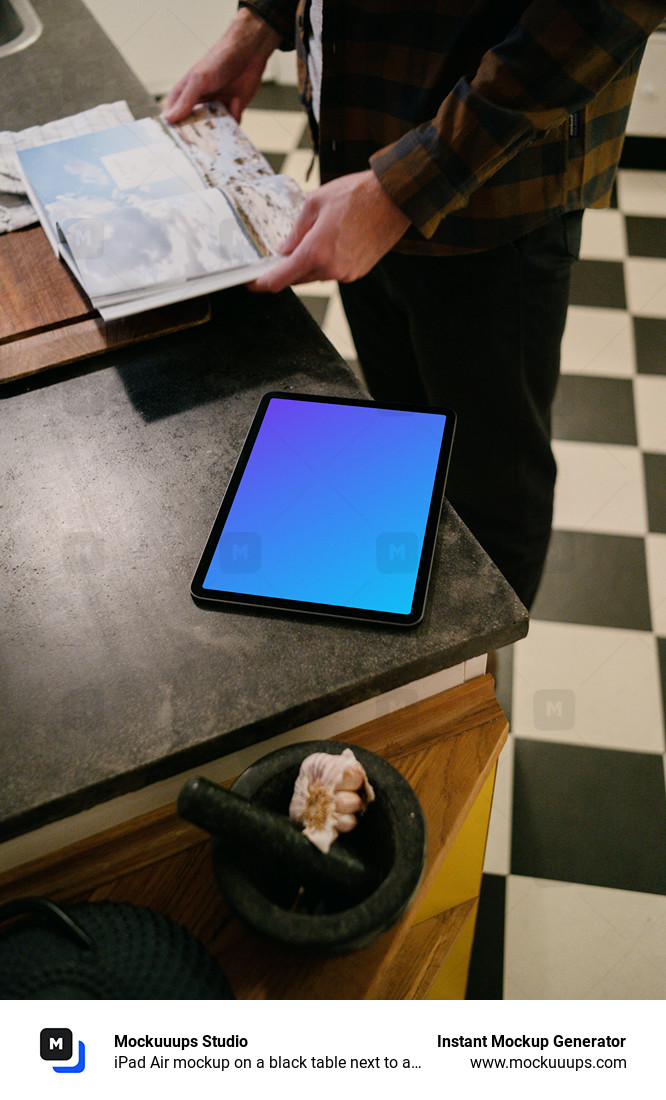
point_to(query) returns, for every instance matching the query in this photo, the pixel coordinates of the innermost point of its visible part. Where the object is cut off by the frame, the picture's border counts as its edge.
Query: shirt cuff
(416, 182)
(280, 16)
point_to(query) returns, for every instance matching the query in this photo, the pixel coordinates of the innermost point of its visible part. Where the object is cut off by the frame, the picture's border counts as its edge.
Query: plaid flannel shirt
(481, 119)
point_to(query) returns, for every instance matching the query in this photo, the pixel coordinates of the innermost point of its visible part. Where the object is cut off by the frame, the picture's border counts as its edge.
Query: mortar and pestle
(281, 885)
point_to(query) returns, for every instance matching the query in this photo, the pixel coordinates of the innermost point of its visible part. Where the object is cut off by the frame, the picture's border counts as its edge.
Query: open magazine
(147, 213)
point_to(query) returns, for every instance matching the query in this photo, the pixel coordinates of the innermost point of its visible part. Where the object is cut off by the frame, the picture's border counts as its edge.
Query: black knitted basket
(102, 950)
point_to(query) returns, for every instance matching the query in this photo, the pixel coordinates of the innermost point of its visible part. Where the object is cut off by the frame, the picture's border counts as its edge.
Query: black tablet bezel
(243, 599)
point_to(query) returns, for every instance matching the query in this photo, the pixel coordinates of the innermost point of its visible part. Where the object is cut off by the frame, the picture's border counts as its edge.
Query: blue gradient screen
(332, 506)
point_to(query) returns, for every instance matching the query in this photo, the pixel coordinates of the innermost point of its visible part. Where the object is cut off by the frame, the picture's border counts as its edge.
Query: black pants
(481, 334)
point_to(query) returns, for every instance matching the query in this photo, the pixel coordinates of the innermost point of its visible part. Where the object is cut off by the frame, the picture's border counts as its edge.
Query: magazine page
(89, 175)
(267, 204)
(112, 309)
(158, 242)
(16, 210)
(214, 141)
(146, 214)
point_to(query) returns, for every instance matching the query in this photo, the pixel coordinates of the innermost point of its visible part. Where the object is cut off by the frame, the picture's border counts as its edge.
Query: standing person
(459, 143)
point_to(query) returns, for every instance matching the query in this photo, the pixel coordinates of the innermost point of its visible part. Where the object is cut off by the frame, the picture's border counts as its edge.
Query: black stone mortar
(389, 840)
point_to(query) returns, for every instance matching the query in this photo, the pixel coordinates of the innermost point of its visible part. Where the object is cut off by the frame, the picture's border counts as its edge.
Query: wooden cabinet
(446, 746)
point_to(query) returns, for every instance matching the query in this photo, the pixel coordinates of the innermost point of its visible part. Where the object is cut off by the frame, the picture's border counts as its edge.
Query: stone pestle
(274, 842)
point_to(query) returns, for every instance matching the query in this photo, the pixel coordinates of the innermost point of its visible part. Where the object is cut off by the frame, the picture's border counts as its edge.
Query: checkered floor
(574, 888)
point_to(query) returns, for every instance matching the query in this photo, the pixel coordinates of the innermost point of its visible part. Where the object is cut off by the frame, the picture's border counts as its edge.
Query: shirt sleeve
(279, 14)
(553, 62)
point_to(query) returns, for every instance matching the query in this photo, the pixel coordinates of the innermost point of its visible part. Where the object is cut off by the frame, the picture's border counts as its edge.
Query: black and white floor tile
(574, 891)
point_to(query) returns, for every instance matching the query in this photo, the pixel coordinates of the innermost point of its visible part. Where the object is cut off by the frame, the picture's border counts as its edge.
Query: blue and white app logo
(56, 1044)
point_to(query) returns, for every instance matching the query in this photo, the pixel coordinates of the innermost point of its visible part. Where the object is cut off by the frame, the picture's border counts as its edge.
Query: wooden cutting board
(46, 320)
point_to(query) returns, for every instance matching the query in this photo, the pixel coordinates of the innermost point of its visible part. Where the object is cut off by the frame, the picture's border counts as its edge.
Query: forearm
(250, 32)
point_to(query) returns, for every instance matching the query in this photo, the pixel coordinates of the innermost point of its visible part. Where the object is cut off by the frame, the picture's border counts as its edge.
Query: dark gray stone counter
(72, 66)
(111, 676)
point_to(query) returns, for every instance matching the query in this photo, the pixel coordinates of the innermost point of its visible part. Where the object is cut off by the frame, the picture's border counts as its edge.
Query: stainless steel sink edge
(31, 24)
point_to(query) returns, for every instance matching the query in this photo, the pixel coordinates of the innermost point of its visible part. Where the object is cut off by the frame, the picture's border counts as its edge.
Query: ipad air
(332, 509)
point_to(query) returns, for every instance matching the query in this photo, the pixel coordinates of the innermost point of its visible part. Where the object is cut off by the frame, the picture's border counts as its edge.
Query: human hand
(231, 71)
(342, 231)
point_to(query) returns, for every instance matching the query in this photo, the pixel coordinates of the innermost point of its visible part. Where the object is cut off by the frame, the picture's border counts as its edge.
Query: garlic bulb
(331, 789)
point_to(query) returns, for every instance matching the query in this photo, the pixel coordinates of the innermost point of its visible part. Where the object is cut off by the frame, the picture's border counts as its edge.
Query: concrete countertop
(72, 66)
(111, 677)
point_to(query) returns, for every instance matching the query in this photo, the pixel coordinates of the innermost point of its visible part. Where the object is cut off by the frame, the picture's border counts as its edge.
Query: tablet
(332, 509)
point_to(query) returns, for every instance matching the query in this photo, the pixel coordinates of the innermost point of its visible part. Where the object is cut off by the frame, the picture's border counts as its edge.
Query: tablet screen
(332, 509)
